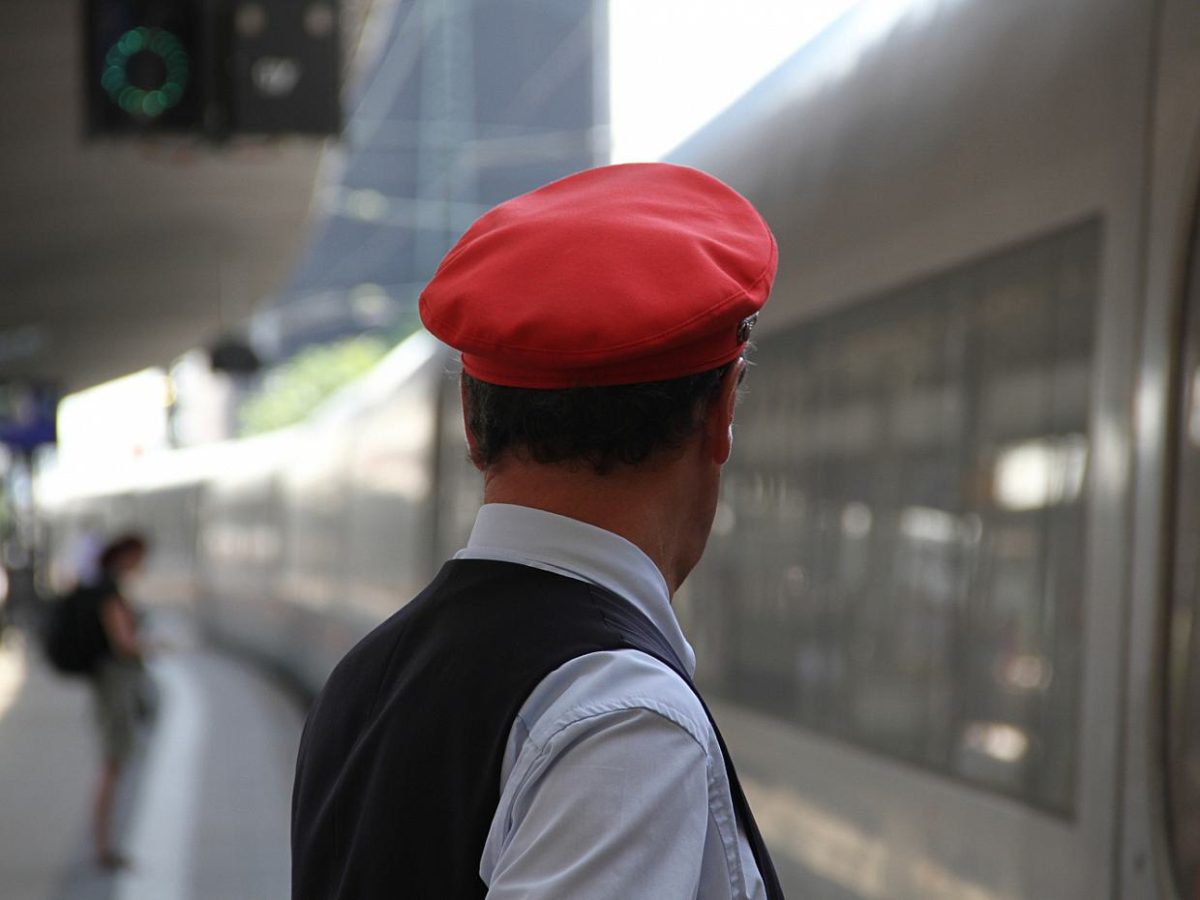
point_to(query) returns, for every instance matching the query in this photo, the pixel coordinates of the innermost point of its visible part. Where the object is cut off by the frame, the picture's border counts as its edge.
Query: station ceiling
(120, 254)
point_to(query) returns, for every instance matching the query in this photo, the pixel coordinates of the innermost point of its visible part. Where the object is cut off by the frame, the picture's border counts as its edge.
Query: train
(947, 611)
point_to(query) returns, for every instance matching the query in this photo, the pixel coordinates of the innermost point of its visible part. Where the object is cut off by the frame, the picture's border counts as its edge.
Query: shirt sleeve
(615, 805)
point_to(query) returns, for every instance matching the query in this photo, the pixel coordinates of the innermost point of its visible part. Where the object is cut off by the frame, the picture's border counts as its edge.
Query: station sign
(28, 415)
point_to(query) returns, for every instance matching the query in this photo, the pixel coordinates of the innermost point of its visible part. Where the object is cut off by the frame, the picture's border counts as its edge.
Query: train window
(1183, 661)
(897, 559)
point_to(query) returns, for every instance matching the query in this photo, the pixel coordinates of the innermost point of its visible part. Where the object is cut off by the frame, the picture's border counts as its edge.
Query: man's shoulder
(592, 688)
(361, 672)
(498, 628)
(467, 615)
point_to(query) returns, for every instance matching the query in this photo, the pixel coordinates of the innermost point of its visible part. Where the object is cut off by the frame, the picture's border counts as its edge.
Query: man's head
(599, 428)
(634, 459)
(602, 320)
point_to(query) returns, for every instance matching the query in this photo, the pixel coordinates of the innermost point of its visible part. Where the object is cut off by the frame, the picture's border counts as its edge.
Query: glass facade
(470, 102)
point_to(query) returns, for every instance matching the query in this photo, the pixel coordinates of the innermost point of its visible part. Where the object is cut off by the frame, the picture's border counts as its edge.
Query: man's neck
(639, 505)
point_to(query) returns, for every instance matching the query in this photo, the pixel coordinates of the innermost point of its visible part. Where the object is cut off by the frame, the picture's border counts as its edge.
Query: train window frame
(1179, 664)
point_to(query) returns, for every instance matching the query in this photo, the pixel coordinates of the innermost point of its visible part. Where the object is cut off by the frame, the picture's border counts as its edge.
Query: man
(527, 726)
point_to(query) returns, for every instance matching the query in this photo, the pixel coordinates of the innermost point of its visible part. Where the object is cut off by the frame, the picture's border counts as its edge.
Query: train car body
(946, 609)
(923, 553)
(160, 495)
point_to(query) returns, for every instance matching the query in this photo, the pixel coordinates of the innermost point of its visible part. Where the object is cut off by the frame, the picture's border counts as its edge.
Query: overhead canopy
(120, 254)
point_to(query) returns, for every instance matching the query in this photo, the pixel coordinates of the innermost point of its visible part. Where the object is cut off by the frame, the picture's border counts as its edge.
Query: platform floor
(204, 806)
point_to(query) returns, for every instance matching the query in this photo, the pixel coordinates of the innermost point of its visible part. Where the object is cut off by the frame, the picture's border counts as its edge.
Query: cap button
(745, 327)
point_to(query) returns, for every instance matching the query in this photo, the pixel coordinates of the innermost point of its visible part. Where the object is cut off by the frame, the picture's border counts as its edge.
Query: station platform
(204, 805)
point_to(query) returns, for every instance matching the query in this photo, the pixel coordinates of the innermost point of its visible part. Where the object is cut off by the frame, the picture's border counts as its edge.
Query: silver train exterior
(947, 605)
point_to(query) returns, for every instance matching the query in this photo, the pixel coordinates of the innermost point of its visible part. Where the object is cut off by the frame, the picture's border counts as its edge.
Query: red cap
(615, 275)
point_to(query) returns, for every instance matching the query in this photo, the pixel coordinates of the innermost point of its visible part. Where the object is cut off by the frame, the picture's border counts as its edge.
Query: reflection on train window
(1183, 661)
(898, 555)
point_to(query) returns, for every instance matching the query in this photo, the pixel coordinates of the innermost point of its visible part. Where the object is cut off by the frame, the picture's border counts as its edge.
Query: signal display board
(213, 68)
(284, 67)
(147, 66)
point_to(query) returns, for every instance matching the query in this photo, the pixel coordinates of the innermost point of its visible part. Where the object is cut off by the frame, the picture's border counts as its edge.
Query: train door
(1181, 677)
(1160, 816)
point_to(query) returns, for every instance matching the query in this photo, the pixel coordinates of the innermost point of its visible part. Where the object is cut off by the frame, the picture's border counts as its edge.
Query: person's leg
(114, 694)
(106, 792)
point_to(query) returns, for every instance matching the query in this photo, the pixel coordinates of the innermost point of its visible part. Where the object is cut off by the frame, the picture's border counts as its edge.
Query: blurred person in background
(5, 537)
(18, 600)
(3, 598)
(117, 684)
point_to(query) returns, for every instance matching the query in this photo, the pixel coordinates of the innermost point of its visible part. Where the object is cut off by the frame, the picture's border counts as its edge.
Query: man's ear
(719, 419)
(472, 448)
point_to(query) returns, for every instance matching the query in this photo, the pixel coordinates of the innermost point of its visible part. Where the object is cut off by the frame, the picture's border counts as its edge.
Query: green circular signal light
(153, 102)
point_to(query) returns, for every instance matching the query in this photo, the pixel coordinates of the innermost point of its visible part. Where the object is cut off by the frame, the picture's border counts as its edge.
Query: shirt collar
(570, 547)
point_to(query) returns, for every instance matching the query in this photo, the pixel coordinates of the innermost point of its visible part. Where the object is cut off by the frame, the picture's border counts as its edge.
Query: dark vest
(398, 776)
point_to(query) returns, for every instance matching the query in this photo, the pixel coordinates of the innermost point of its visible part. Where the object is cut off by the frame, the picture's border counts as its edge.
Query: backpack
(74, 638)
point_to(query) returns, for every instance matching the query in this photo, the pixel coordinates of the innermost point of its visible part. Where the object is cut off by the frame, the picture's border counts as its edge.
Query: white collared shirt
(613, 783)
